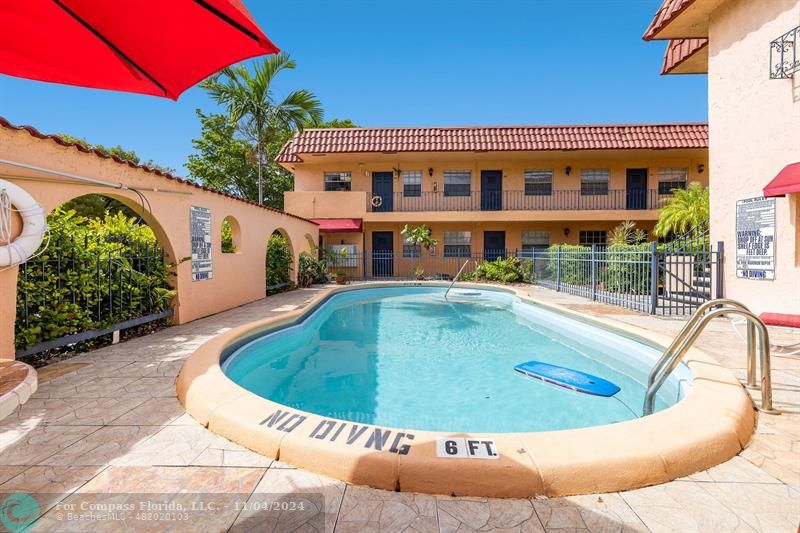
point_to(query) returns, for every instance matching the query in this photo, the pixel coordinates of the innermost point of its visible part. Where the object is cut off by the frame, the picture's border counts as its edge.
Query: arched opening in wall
(231, 236)
(101, 275)
(279, 262)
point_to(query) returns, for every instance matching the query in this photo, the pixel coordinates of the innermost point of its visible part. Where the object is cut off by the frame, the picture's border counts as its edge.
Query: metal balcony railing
(559, 200)
(784, 59)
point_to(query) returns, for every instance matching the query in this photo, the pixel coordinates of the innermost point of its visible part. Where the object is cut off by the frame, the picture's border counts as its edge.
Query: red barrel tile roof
(666, 13)
(495, 139)
(679, 50)
(59, 140)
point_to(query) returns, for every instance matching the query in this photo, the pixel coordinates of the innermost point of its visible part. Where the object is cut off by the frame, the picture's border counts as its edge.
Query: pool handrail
(686, 338)
(460, 270)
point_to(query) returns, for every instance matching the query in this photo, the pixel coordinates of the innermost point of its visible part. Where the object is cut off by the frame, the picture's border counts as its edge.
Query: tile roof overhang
(681, 19)
(4, 123)
(686, 56)
(495, 139)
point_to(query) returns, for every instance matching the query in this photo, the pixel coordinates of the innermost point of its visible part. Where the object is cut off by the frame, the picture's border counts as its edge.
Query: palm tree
(688, 209)
(250, 103)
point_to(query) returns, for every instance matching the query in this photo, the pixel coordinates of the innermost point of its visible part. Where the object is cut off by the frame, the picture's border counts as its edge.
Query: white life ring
(34, 225)
(376, 201)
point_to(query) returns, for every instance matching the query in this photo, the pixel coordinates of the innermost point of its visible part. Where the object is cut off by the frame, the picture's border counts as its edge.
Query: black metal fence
(82, 288)
(668, 279)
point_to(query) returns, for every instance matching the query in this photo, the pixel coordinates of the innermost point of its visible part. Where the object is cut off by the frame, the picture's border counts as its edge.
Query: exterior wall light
(700, 168)
(568, 170)
(430, 172)
(566, 230)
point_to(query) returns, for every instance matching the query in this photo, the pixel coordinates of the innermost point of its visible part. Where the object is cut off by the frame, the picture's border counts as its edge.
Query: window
(457, 182)
(457, 244)
(538, 182)
(534, 240)
(594, 181)
(412, 183)
(672, 178)
(338, 181)
(590, 237)
(411, 250)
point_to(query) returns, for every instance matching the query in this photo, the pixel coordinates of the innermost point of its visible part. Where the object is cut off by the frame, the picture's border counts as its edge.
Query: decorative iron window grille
(783, 57)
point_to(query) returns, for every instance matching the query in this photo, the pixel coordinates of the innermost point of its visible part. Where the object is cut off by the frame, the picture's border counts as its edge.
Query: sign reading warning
(200, 228)
(755, 238)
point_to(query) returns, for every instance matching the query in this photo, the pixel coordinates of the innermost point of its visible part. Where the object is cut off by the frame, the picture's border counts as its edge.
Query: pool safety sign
(200, 227)
(464, 448)
(755, 238)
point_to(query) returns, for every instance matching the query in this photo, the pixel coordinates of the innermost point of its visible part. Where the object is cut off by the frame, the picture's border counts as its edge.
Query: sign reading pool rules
(200, 227)
(755, 238)
(463, 448)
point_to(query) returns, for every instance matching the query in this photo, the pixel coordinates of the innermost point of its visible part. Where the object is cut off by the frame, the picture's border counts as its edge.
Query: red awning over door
(339, 225)
(786, 182)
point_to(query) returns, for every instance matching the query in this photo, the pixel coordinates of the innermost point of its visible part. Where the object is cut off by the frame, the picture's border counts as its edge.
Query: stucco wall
(238, 278)
(754, 132)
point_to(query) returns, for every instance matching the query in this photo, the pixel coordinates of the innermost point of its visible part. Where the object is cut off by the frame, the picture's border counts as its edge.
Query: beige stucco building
(485, 189)
(749, 49)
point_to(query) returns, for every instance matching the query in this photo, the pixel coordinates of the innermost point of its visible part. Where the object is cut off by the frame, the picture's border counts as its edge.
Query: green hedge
(628, 268)
(95, 272)
(279, 261)
(506, 270)
(575, 266)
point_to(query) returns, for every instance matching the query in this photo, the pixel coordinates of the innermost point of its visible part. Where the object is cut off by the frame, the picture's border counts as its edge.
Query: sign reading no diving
(755, 238)
(466, 448)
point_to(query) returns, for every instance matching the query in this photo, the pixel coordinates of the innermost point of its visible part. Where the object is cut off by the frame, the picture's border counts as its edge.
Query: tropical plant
(226, 236)
(508, 270)
(116, 151)
(311, 270)
(688, 209)
(419, 236)
(252, 106)
(627, 233)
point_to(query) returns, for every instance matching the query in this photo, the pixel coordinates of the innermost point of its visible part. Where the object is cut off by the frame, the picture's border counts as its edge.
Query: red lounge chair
(780, 319)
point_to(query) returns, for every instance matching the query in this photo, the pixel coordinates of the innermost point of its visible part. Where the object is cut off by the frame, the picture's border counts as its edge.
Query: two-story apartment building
(485, 191)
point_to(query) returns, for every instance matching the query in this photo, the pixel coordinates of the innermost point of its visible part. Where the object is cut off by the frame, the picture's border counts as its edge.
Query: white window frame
(412, 178)
(540, 181)
(670, 178)
(463, 178)
(457, 243)
(594, 181)
(338, 177)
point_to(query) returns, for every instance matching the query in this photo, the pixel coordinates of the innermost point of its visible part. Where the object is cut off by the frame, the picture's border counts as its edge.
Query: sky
(411, 63)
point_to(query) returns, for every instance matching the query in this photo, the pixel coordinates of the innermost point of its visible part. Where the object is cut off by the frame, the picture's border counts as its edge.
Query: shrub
(311, 270)
(95, 272)
(279, 261)
(574, 263)
(628, 268)
(506, 270)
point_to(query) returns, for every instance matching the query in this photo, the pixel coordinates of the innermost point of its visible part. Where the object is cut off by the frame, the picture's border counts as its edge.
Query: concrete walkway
(108, 422)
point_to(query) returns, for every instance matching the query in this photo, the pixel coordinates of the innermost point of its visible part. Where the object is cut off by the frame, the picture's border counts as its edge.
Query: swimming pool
(405, 357)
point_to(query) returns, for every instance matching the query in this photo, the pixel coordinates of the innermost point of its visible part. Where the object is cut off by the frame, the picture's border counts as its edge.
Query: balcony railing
(784, 59)
(559, 200)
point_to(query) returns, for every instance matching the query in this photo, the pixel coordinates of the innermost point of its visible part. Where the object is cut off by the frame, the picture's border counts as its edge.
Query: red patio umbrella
(157, 47)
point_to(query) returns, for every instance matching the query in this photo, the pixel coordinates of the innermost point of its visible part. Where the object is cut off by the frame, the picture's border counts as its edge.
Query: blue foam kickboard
(567, 377)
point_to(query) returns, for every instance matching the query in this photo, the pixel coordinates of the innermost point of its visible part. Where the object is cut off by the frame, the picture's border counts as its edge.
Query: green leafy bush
(311, 270)
(506, 270)
(628, 268)
(95, 272)
(226, 236)
(574, 263)
(279, 261)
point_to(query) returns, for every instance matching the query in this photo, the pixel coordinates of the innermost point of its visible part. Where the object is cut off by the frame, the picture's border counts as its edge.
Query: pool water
(407, 358)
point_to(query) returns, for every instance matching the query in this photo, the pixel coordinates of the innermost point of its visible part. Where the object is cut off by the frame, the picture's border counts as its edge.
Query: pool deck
(109, 421)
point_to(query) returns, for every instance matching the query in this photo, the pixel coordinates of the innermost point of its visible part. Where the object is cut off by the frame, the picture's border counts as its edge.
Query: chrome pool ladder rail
(689, 333)
(460, 270)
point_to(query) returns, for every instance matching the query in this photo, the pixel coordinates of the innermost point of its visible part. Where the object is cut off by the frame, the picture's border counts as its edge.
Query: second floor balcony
(557, 200)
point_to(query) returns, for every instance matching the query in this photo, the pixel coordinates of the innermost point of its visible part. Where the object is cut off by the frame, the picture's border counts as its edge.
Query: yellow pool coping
(711, 424)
